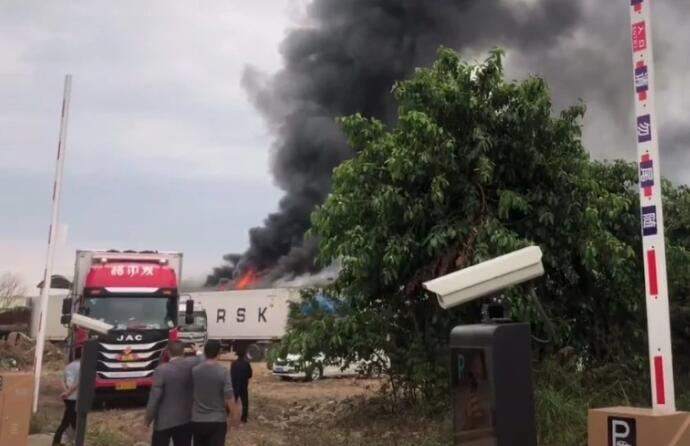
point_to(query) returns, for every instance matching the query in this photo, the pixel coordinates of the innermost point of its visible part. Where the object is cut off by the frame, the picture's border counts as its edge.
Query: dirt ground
(332, 411)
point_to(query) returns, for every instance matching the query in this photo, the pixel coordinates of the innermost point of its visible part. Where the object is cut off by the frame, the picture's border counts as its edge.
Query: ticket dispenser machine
(491, 385)
(87, 388)
(491, 374)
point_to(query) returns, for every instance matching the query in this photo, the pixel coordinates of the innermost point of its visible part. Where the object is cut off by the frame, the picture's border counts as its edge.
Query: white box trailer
(55, 331)
(250, 319)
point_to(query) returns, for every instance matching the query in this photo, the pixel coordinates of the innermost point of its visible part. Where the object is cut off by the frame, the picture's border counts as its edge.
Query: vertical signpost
(661, 425)
(47, 274)
(653, 244)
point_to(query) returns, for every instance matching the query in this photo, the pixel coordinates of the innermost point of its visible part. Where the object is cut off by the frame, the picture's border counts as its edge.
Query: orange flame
(246, 280)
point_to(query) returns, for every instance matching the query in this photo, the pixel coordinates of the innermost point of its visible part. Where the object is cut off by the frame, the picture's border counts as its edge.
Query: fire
(246, 280)
(223, 284)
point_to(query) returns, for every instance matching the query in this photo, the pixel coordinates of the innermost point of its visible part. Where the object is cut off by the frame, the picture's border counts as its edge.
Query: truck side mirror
(66, 317)
(189, 312)
(66, 306)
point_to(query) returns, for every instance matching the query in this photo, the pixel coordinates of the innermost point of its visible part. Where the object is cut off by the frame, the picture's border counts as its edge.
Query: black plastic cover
(491, 385)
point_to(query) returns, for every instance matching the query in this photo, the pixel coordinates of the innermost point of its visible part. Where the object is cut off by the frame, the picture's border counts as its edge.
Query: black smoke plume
(225, 271)
(349, 57)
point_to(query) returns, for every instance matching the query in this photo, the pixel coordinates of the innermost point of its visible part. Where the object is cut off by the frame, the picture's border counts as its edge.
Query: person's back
(170, 401)
(178, 390)
(212, 399)
(240, 374)
(211, 389)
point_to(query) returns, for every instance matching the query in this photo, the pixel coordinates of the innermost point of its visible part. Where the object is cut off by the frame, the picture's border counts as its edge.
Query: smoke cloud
(348, 58)
(319, 279)
(225, 271)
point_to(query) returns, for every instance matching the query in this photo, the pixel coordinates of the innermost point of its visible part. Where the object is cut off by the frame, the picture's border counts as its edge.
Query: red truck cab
(136, 293)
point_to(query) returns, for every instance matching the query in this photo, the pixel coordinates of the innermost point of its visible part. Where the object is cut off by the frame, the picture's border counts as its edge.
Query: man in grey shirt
(213, 399)
(170, 402)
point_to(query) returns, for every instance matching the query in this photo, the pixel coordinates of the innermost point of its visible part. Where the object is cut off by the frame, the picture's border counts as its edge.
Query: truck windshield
(198, 325)
(133, 312)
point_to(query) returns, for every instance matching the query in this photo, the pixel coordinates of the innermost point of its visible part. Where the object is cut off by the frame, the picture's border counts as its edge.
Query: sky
(164, 149)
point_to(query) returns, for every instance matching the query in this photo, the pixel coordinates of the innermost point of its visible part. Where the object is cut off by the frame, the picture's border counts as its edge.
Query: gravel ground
(335, 411)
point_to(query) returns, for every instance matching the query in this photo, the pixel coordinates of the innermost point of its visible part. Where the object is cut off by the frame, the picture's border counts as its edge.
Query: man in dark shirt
(213, 399)
(170, 402)
(241, 373)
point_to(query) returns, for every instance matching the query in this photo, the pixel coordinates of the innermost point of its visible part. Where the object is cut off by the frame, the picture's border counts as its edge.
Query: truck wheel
(255, 352)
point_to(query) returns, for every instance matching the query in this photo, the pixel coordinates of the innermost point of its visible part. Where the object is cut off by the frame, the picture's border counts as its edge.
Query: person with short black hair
(169, 407)
(240, 374)
(213, 399)
(69, 397)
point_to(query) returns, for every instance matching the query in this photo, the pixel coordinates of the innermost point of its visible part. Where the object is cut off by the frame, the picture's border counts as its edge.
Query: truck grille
(193, 339)
(126, 361)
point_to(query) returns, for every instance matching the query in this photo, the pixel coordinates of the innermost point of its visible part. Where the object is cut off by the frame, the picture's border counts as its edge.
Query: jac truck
(247, 319)
(137, 293)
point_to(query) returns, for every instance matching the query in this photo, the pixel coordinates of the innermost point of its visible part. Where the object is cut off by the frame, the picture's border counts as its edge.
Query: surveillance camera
(91, 324)
(487, 277)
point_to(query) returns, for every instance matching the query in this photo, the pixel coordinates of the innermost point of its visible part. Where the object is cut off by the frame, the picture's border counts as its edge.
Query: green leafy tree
(477, 166)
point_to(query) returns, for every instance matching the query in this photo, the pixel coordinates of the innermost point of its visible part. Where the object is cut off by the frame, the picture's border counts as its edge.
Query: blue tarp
(321, 302)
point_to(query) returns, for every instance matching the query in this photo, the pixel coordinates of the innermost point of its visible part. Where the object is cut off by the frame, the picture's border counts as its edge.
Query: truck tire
(255, 352)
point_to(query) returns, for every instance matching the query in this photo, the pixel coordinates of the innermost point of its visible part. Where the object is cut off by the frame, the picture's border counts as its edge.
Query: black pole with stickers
(87, 388)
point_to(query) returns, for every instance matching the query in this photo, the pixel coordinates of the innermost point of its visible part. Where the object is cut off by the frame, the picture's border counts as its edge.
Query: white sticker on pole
(651, 213)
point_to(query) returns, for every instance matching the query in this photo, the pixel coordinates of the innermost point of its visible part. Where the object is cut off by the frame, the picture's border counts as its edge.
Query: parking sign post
(661, 425)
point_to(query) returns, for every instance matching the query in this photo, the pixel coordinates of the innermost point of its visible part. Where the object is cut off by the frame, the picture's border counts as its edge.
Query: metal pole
(87, 389)
(47, 274)
(653, 243)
